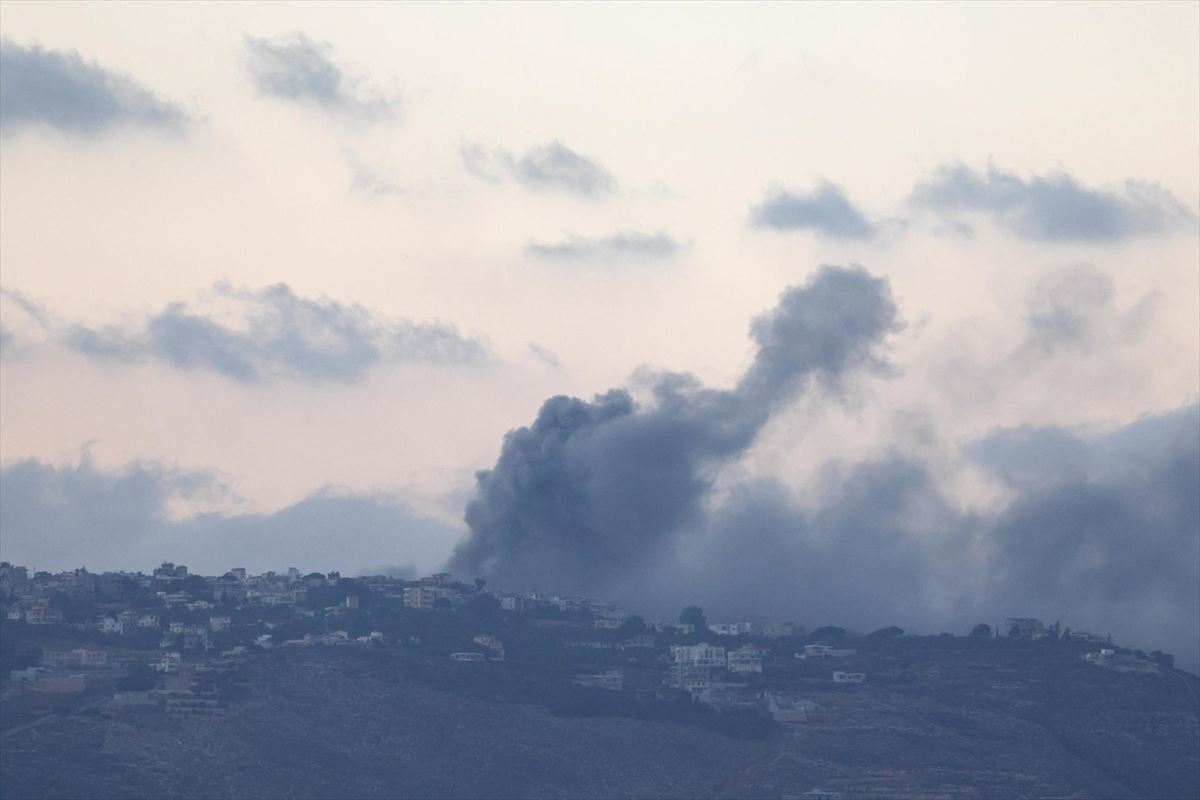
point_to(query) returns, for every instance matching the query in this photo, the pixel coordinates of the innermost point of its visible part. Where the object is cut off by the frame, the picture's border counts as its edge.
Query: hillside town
(165, 638)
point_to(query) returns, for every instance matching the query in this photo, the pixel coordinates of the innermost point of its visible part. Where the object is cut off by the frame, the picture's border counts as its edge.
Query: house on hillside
(745, 659)
(849, 677)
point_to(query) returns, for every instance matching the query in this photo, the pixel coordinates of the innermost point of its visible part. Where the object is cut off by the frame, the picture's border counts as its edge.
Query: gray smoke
(611, 498)
(591, 489)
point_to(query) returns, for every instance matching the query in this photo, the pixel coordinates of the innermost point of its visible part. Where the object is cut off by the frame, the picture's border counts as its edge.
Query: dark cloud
(593, 488)
(61, 90)
(825, 211)
(1055, 207)
(623, 245)
(61, 517)
(279, 334)
(298, 69)
(551, 166)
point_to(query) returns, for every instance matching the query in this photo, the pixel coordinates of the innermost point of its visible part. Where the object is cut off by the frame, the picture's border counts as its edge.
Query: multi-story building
(43, 615)
(699, 655)
(745, 659)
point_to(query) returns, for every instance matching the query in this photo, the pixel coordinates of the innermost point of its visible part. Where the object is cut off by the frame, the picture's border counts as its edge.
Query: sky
(846, 313)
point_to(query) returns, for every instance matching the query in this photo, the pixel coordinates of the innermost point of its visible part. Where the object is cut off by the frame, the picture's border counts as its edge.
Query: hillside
(937, 719)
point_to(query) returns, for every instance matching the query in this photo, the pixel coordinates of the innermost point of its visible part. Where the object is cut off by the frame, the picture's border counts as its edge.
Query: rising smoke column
(592, 488)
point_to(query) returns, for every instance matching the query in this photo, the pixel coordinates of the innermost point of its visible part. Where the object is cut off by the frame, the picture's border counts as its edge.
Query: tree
(694, 616)
(890, 632)
(139, 677)
(829, 632)
(632, 626)
(1164, 660)
(982, 630)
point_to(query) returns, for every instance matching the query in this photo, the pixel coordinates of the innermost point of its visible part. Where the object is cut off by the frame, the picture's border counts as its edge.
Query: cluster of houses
(195, 616)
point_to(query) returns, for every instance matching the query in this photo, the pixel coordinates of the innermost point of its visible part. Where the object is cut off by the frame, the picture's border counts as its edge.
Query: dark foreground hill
(930, 723)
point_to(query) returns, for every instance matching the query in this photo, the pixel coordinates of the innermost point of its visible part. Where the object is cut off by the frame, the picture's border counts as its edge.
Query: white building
(788, 709)
(218, 623)
(849, 677)
(780, 630)
(731, 628)
(467, 657)
(745, 659)
(491, 643)
(698, 655)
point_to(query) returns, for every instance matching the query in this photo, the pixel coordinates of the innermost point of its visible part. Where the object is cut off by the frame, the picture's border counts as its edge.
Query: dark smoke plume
(592, 488)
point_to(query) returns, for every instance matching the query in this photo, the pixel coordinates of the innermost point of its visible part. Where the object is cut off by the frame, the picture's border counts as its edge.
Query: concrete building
(43, 615)
(781, 630)
(698, 655)
(849, 677)
(787, 710)
(745, 660)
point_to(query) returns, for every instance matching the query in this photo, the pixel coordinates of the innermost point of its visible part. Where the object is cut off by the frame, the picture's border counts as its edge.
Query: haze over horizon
(789, 318)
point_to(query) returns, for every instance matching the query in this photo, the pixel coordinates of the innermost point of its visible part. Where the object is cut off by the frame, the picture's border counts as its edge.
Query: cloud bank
(1054, 207)
(551, 166)
(61, 517)
(273, 332)
(60, 90)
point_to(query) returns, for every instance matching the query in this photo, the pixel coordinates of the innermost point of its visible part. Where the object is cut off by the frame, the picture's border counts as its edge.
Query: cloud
(1054, 207)
(593, 488)
(272, 333)
(25, 322)
(1074, 309)
(547, 357)
(623, 245)
(368, 180)
(1099, 530)
(59, 89)
(551, 166)
(298, 69)
(61, 517)
(825, 211)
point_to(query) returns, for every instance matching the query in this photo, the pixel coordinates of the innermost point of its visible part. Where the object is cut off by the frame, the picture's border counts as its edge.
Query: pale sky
(508, 202)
